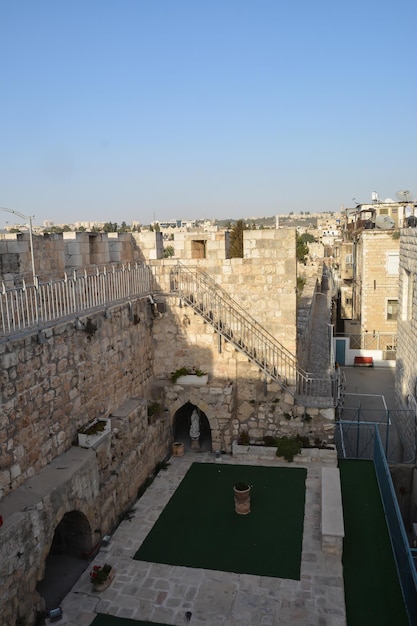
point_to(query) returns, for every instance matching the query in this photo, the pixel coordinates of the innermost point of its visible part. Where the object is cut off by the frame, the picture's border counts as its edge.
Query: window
(392, 306)
(393, 263)
(349, 259)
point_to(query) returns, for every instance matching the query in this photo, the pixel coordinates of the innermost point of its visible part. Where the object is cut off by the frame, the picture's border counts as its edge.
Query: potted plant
(101, 576)
(241, 492)
(189, 376)
(94, 432)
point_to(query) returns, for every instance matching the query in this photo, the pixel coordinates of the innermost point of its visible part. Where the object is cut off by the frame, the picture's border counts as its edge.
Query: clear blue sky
(141, 109)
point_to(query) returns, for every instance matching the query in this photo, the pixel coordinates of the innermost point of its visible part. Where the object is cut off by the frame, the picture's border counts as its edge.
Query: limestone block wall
(406, 369)
(56, 253)
(377, 285)
(259, 406)
(99, 485)
(216, 245)
(51, 390)
(150, 243)
(30, 519)
(16, 260)
(264, 283)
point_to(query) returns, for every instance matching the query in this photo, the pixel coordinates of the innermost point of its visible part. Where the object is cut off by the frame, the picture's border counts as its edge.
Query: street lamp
(26, 217)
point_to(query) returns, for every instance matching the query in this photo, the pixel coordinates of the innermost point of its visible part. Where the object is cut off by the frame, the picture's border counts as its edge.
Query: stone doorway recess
(182, 425)
(67, 559)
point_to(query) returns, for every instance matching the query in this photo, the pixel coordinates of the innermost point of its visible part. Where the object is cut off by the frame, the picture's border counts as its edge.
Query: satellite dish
(404, 195)
(384, 222)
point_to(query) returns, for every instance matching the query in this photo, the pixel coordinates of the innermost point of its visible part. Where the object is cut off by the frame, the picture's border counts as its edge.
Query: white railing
(31, 305)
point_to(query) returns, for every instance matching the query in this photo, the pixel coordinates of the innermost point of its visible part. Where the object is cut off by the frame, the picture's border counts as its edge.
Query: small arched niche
(182, 428)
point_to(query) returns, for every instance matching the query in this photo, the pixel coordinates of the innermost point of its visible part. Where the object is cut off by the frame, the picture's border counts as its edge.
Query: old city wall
(238, 397)
(49, 391)
(57, 253)
(53, 388)
(264, 282)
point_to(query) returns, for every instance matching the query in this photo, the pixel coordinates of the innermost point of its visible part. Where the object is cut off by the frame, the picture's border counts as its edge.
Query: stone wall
(406, 365)
(57, 253)
(49, 391)
(259, 406)
(264, 282)
(377, 284)
(98, 485)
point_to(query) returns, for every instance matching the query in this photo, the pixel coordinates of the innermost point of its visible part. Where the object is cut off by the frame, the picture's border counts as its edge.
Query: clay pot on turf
(242, 498)
(178, 448)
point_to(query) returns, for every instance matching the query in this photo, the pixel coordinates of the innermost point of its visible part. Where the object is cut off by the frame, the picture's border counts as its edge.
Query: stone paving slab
(164, 593)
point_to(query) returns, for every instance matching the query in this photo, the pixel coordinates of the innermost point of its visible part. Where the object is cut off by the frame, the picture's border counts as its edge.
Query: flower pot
(242, 500)
(177, 448)
(102, 585)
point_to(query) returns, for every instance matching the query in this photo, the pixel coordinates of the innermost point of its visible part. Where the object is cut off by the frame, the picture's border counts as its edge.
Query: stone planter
(89, 437)
(177, 448)
(192, 379)
(242, 500)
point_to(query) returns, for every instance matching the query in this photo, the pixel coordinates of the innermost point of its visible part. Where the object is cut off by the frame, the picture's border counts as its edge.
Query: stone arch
(194, 398)
(181, 428)
(69, 554)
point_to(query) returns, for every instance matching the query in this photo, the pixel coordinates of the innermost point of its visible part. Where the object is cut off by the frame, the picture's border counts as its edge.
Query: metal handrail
(28, 306)
(207, 298)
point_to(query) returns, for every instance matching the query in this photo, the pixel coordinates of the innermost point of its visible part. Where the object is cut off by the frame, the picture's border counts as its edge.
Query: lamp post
(26, 217)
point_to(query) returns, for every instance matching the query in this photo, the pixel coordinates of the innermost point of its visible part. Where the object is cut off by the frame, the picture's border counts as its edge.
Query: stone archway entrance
(182, 425)
(67, 558)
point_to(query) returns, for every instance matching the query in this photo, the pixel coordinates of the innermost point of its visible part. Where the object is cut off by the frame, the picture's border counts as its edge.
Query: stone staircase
(232, 322)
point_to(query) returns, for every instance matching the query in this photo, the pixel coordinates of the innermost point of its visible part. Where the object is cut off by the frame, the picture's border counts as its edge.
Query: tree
(301, 250)
(307, 238)
(168, 252)
(110, 227)
(236, 240)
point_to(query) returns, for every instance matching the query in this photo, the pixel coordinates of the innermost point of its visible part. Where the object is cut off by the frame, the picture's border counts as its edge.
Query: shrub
(288, 447)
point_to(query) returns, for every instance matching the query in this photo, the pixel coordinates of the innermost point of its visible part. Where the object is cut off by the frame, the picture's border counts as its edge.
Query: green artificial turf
(199, 526)
(111, 620)
(372, 590)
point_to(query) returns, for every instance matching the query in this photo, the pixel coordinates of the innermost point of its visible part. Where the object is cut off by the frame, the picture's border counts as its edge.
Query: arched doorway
(182, 425)
(67, 558)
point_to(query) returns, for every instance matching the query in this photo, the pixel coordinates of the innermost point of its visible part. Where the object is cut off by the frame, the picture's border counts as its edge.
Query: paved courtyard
(165, 593)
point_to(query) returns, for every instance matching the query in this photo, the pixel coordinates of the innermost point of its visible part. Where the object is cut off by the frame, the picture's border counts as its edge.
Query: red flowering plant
(100, 573)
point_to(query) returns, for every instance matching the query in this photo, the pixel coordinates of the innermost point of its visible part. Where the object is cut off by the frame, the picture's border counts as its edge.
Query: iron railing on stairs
(209, 300)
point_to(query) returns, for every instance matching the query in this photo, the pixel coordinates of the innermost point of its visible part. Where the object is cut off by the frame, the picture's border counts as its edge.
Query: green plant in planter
(97, 427)
(186, 371)
(288, 447)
